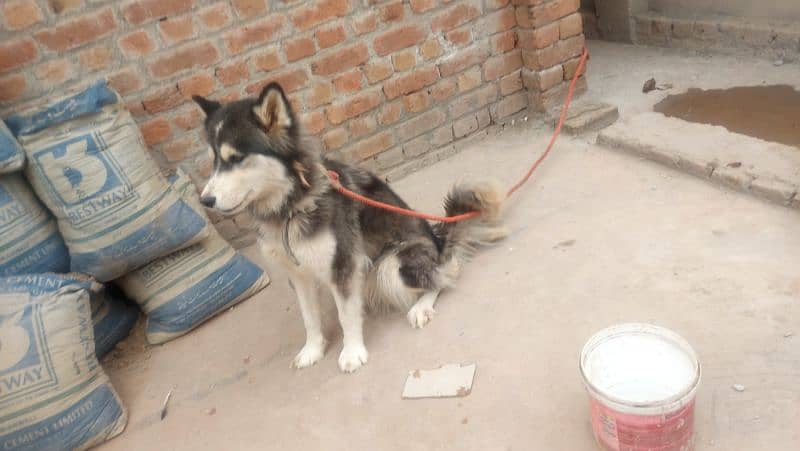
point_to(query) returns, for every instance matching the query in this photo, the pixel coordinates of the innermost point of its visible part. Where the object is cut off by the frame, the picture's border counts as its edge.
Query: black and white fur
(363, 255)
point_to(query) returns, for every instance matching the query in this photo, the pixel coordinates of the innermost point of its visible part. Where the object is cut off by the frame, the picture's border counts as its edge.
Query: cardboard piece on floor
(444, 382)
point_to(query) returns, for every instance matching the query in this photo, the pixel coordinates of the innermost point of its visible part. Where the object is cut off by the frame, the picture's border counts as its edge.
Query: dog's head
(257, 155)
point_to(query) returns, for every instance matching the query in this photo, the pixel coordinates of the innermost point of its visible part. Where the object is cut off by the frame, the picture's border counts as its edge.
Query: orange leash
(334, 176)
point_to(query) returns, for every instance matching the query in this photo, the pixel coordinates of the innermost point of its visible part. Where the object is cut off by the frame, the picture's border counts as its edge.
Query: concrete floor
(598, 238)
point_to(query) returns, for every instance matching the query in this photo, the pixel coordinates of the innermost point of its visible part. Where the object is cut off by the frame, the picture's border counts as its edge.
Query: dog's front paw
(419, 315)
(352, 357)
(309, 355)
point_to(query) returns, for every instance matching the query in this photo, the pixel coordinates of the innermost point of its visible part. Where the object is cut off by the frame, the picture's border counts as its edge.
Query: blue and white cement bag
(29, 238)
(186, 288)
(112, 317)
(54, 395)
(12, 158)
(89, 165)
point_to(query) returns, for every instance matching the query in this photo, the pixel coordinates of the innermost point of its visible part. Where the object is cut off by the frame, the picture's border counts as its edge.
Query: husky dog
(363, 255)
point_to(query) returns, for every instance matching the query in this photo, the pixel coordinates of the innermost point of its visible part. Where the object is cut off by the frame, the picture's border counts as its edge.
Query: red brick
(503, 42)
(307, 16)
(348, 82)
(59, 6)
(443, 90)
(497, 66)
(136, 108)
(232, 74)
(177, 29)
(363, 126)
(179, 149)
(460, 36)
(297, 49)
(539, 38)
(341, 60)
(365, 23)
(313, 123)
(414, 81)
(125, 81)
(431, 49)
(555, 54)
(54, 72)
(552, 11)
(264, 30)
(12, 87)
(469, 80)
(21, 14)
(510, 83)
(17, 53)
(463, 59)
(495, 4)
(420, 6)
(267, 61)
(78, 31)
(190, 118)
(405, 60)
(392, 12)
(290, 80)
(455, 16)
(215, 16)
(474, 100)
(335, 138)
(95, 58)
(498, 21)
(390, 113)
(377, 70)
(570, 26)
(163, 100)
(398, 39)
(155, 131)
(202, 85)
(570, 67)
(352, 107)
(142, 11)
(420, 124)
(370, 146)
(136, 44)
(330, 36)
(416, 102)
(320, 94)
(228, 97)
(190, 56)
(509, 105)
(204, 167)
(249, 8)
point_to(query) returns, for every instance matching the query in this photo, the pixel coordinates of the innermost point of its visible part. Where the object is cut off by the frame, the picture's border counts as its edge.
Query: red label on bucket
(618, 431)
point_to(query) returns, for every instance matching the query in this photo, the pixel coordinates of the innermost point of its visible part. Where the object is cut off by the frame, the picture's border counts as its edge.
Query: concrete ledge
(767, 170)
(587, 117)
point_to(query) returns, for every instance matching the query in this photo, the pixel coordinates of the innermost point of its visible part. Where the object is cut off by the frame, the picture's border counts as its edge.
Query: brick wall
(378, 82)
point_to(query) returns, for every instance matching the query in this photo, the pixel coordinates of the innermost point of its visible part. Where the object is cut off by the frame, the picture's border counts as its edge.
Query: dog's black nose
(208, 201)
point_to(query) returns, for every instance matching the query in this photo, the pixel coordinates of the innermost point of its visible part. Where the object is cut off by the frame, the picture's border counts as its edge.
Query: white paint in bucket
(640, 368)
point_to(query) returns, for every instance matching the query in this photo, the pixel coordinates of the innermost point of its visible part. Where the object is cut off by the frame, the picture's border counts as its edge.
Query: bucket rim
(666, 404)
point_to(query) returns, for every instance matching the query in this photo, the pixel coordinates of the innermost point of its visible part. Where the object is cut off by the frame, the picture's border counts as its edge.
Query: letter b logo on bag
(84, 179)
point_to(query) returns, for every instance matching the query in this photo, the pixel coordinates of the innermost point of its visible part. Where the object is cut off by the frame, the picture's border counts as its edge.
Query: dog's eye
(235, 158)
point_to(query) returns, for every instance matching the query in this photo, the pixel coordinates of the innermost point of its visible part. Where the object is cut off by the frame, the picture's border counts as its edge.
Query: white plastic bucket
(641, 381)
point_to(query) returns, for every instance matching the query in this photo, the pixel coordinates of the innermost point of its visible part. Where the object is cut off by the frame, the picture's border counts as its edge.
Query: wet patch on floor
(771, 113)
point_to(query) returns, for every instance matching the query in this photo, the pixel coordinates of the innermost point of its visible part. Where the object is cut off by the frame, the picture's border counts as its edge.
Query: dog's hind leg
(422, 312)
(307, 298)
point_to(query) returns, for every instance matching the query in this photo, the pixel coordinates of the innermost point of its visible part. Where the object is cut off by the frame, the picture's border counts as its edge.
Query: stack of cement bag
(109, 217)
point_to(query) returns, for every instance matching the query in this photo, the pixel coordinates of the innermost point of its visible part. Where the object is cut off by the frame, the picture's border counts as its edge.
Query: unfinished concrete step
(584, 117)
(766, 169)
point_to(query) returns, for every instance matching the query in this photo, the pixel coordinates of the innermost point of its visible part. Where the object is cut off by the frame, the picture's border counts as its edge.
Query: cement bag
(88, 164)
(184, 289)
(29, 238)
(53, 393)
(112, 317)
(12, 158)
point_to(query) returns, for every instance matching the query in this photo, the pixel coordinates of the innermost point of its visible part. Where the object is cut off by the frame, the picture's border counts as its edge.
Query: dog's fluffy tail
(461, 238)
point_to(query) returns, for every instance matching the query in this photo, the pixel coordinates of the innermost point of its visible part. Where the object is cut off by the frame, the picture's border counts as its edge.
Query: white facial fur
(257, 178)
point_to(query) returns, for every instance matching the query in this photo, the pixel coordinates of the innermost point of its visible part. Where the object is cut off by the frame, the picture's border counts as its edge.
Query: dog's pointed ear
(272, 109)
(208, 106)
